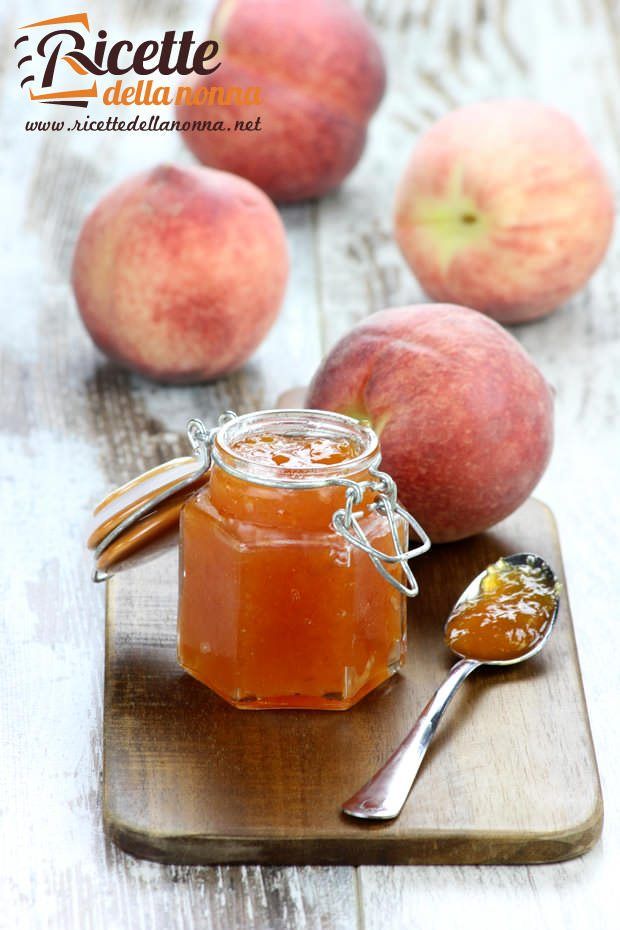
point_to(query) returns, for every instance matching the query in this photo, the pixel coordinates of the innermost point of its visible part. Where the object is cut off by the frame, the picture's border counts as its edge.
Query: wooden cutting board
(511, 776)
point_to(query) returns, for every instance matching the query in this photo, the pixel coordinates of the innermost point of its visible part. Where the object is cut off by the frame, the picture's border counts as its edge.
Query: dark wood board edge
(433, 849)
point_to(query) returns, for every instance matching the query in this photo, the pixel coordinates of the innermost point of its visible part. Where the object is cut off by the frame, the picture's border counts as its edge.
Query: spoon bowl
(383, 797)
(473, 589)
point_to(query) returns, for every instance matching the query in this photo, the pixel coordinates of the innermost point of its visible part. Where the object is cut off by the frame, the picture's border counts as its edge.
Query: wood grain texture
(73, 426)
(188, 779)
(567, 53)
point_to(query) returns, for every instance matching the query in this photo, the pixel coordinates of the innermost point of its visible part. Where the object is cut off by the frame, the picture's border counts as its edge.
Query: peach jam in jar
(293, 565)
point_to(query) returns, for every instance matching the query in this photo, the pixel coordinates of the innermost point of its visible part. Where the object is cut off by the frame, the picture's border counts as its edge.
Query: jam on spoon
(507, 617)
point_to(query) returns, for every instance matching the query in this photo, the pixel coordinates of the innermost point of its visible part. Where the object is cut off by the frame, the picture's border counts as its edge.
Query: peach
(504, 207)
(179, 273)
(464, 415)
(321, 76)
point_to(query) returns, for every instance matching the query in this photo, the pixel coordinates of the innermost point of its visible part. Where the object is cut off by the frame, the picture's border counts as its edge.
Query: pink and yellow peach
(179, 273)
(321, 76)
(504, 207)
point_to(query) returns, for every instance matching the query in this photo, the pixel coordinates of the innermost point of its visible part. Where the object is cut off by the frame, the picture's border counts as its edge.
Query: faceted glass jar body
(276, 608)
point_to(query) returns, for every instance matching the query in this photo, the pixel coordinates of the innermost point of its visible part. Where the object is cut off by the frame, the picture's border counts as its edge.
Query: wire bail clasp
(201, 438)
(346, 523)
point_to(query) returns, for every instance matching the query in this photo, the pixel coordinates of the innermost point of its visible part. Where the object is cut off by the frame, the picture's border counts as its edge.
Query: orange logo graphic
(48, 48)
(54, 51)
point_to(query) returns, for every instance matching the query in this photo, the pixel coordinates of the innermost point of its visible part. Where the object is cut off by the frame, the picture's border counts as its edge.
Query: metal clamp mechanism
(201, 439)
(346, 523)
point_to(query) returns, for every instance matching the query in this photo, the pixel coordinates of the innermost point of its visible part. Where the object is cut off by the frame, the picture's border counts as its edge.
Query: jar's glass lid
(118, 547)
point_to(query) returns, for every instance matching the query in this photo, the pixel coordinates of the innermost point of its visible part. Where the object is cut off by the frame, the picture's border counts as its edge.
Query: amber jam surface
(276, 608)
(507, 618)
(296, 451)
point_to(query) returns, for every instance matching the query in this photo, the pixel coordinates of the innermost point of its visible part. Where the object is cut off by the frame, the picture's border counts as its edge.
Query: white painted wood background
(73, 425)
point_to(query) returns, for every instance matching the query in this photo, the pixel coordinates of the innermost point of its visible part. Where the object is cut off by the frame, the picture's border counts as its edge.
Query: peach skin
(321, 76)
(179, 273)
(464, 415)
(504, 207)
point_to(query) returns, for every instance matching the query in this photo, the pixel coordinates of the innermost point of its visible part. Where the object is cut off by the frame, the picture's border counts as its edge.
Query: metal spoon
(383, 797)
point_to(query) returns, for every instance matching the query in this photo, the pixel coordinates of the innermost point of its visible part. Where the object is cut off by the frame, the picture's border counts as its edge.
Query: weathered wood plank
(73, 425)
(568, 54)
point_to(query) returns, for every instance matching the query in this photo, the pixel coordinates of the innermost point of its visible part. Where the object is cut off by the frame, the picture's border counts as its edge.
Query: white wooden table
(73, 425)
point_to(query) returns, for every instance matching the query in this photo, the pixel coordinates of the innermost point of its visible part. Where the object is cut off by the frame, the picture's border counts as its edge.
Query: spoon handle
(382, 797)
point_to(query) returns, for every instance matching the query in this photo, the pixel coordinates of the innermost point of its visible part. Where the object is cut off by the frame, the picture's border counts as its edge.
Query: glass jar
(294, 566)
(293, 577)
